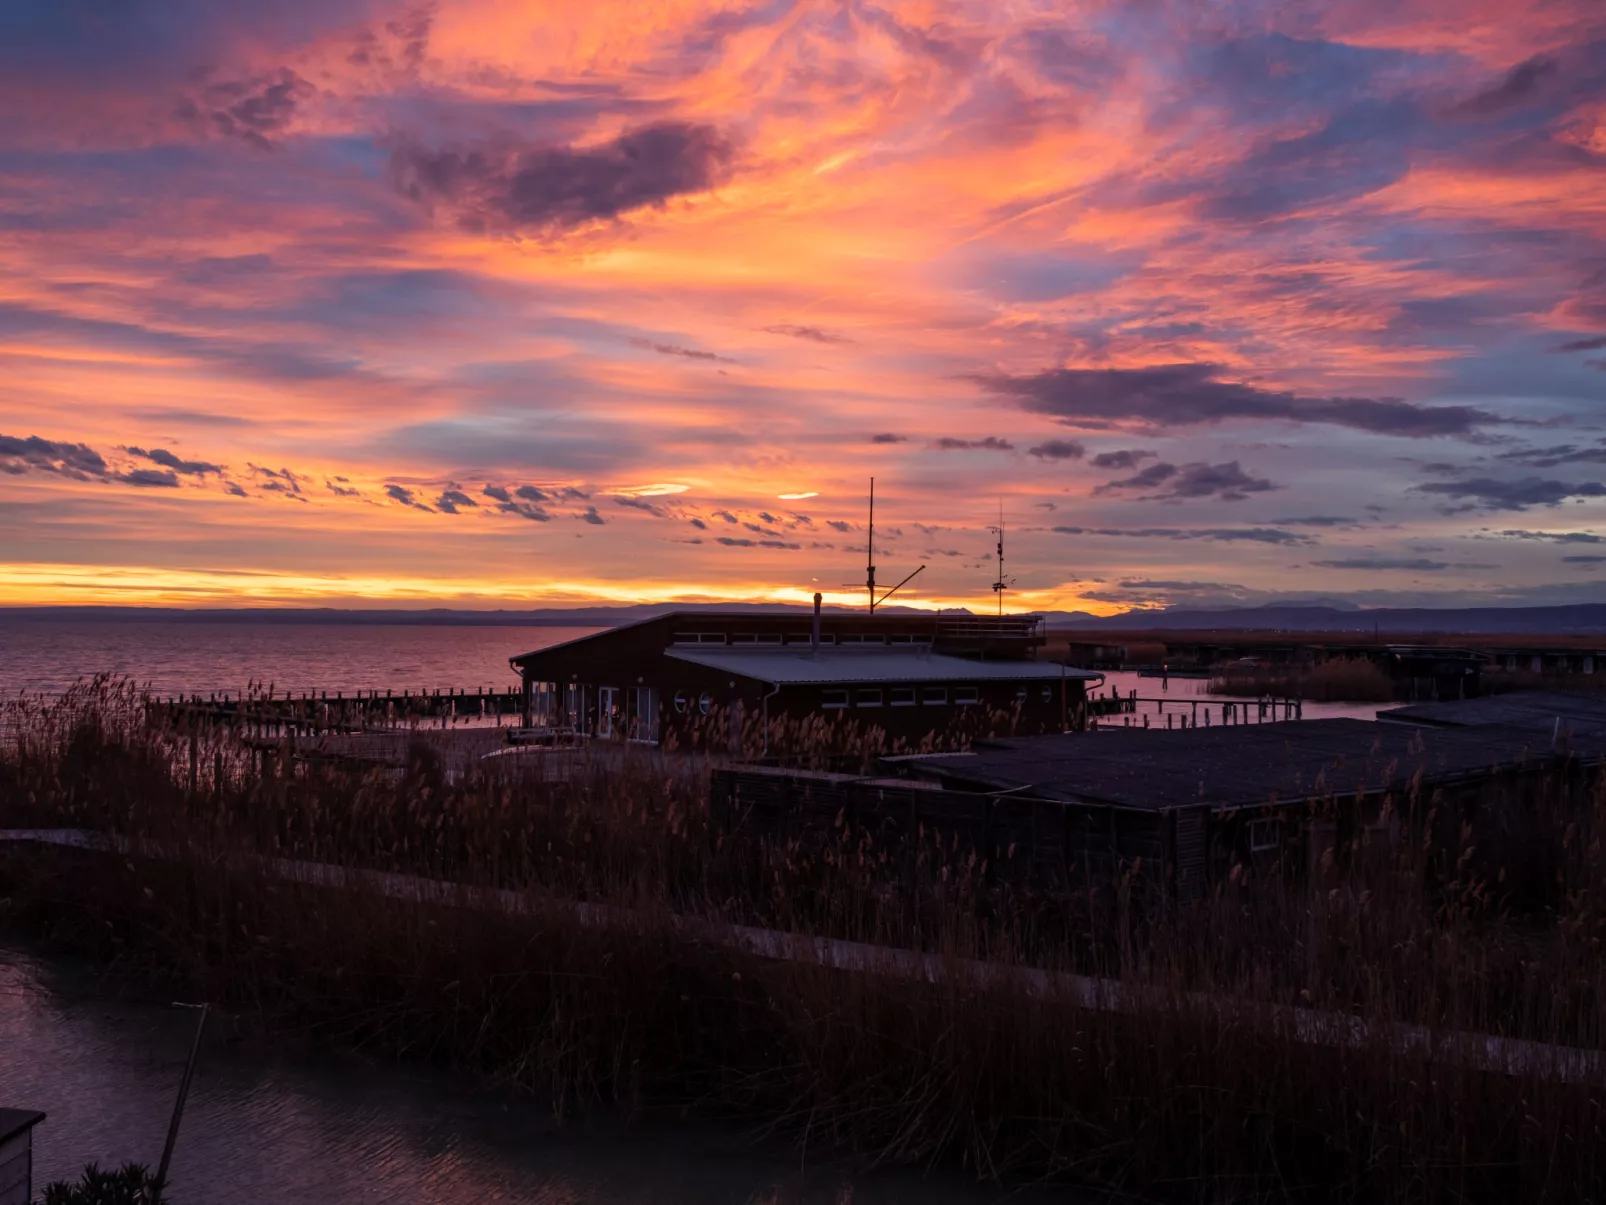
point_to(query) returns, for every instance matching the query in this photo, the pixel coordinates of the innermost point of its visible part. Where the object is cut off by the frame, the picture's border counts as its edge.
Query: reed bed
(1339, 680)
(1465, 932)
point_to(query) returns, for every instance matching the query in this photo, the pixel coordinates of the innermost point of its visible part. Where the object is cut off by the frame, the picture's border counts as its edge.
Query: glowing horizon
(496, 300)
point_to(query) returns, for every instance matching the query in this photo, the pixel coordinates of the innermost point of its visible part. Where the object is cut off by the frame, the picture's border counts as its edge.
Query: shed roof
(802, 666)
(1233, 767)
(1532, 710)
(15, 1121)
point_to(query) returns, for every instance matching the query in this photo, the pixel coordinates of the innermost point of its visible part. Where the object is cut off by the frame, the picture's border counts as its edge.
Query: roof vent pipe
(814, 637)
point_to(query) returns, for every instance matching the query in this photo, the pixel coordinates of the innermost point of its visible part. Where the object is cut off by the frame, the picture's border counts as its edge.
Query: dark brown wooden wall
(1025, 842)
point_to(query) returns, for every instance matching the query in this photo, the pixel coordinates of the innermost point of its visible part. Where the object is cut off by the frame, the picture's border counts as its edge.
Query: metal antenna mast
(869, 551)
(1002, 583)
(869, 562)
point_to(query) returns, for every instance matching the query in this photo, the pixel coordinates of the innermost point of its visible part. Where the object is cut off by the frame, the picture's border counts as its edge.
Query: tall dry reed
(1338, 680)
(1429, 915)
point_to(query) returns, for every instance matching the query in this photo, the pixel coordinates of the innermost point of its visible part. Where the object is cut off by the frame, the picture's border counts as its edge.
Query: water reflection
(206, 657)
(274, 1131)
(1176, 689)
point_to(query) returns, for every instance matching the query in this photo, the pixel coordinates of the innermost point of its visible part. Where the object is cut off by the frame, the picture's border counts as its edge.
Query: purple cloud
(1185, 395)
(1057, 449)
(554, 188)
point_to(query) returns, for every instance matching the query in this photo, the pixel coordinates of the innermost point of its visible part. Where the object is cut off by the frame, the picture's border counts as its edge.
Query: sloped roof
(800, 666)
(1230, 767)
(1581, 716)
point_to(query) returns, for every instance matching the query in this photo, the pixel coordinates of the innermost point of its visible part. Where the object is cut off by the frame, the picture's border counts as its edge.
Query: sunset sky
(515, 303)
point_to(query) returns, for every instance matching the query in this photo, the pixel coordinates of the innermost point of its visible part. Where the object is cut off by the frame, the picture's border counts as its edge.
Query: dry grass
(1340, 680)
(1458, 931)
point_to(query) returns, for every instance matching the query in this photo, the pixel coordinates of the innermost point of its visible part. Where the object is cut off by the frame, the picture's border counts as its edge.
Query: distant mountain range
(1581, 619)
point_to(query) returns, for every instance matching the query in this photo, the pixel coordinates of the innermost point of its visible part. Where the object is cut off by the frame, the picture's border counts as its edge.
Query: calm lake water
(177, 657)
(281, 1131)
(1175, 693)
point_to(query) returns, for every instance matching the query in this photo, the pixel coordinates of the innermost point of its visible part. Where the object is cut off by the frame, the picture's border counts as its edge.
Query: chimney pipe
(814, 641)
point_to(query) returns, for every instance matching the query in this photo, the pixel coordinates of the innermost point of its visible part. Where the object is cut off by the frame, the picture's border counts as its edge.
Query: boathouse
(698, 677)
(1175, 810)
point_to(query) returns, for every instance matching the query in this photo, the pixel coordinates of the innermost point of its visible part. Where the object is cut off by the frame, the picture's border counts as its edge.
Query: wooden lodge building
(697, 677)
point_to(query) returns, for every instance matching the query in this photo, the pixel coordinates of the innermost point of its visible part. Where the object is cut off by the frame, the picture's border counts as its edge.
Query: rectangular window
(902, 696)
(756, 638)
(966, 696)
(830, 700)
(574, 706)
(644, 714)
(1265, 834)
(869, 698)
(934, 696)
(543, 704)
(699, 638)
(861, 638)
(807, 638)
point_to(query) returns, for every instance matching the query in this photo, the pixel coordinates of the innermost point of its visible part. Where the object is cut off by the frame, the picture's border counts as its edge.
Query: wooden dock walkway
(268, 714)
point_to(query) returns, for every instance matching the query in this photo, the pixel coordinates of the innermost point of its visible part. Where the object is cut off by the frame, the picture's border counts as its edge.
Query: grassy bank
(1181, 1102)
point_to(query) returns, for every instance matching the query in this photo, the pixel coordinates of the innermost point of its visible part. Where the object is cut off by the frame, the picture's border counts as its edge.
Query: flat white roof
(800, 666)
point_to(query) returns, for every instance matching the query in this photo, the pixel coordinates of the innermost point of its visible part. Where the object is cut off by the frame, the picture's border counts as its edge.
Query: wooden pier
(1115, 710)
(270, 714)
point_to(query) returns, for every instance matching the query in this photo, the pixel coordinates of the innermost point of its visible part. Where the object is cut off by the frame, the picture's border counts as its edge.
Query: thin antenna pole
(1000, 585)
(869, 551)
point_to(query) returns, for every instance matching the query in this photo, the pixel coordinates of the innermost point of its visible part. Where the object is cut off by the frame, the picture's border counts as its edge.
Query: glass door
(607, 709)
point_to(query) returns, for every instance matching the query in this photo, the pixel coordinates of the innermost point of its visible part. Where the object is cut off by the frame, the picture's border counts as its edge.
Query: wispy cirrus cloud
(812, 334)
(376, 244)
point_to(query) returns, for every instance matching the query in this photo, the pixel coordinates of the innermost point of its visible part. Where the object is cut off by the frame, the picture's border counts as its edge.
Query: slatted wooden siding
(1189, 854)
(16, 1155)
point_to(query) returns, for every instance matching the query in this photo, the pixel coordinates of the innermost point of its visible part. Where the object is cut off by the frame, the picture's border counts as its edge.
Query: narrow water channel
(266, 1129)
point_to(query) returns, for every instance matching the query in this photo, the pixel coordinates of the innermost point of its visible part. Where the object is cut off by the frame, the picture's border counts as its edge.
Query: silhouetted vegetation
(1339, 680)
(1208, 1089)
(131, 1184)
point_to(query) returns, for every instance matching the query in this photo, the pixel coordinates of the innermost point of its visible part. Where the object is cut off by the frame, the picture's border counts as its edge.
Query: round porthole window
(705, 703)
(1048, 694)
(681, 702)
